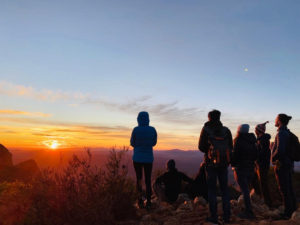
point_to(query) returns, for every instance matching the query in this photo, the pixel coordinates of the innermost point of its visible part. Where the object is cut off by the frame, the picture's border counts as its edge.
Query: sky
(75, 74)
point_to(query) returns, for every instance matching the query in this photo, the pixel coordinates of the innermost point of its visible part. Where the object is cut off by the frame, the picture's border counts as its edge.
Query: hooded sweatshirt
(143, 138)
(244, 151)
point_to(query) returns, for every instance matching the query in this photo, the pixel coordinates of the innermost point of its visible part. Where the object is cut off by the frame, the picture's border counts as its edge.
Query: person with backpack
(244, 155)
(284, 163)
(261, 180)
(216, 143)
(143, 138)
(169, 185)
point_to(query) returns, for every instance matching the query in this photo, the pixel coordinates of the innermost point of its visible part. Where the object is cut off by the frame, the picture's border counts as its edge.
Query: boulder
(273, 214)
(187, 206)
(233, 203)
(255, 198)
(5, 157)
(296, 217)
(182, 198)
(260, 208)
(26, 170)
(200, 201)
(172, 221)
(23, 171)
(240, 201)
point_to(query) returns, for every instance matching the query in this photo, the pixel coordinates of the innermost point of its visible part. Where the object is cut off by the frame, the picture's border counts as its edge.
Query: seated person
(167, 187)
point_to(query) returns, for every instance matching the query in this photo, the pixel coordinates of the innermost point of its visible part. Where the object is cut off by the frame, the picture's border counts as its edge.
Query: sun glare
(52, 144)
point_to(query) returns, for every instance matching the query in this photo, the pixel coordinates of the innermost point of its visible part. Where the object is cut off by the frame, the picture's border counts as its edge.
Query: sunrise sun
(52, 144)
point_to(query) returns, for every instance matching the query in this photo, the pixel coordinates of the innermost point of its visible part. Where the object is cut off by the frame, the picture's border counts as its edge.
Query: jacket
(245, 151)
(143, 138)
(264, 152)
(172, 181)
(279, 151)
(204, 145)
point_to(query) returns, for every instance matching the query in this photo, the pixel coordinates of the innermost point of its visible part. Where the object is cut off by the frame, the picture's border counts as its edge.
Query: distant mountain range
(186, 161)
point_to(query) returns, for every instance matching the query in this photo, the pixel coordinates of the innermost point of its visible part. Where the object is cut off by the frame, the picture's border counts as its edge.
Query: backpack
(219, 152)
(294, 147)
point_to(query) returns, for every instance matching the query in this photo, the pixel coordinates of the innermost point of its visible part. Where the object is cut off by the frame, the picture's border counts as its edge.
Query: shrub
(78, 194)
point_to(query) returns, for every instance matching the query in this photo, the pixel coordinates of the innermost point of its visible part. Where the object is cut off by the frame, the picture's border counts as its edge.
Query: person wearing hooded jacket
(244, 155)
(261, 180)
(143, 138)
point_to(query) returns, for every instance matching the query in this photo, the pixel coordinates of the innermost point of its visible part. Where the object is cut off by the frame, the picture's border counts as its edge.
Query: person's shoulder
(152, 128)
(267, 136)
(227, 130)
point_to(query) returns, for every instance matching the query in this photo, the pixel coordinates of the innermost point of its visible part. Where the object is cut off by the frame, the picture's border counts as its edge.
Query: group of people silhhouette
(249, 156)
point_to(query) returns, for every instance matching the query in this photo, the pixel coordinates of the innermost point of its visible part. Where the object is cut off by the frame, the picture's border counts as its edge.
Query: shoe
(212, 220)
(148, 205)
(141, 204)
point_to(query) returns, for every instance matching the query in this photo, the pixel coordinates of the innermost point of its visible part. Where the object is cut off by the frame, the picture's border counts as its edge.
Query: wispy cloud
(11, 89)
(168, 112)
(65, 125)
(23, 113)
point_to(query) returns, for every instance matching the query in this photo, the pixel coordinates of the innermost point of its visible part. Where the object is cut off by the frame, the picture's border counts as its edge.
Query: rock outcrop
(188, 212)
(23, 171)
(5, 158)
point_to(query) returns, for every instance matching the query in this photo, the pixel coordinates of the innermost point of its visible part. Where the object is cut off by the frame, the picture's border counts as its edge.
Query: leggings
(139, 176)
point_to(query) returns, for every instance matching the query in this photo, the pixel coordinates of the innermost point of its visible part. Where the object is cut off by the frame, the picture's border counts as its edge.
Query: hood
(249, 137)
(143, 119)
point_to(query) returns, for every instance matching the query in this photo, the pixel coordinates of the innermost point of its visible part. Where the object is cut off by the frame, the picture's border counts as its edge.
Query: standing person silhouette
(143, 138)
(216, 143)
(284, 165)
(261, 178)
(244, 155)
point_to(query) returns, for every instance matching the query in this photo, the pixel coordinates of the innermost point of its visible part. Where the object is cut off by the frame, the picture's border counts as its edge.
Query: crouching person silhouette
(168, 186)
(143, 138)
(216, 144)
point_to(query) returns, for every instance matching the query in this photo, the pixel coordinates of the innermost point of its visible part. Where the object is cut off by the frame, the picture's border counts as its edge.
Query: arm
(279, 150)
(132, 139)
(186, 178)
(203, 141)
(155, 138)
(230, 140)
(235, 153)
(160, 179)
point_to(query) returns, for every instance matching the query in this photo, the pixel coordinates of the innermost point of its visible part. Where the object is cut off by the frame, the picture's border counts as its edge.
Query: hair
(171, 164)
(214, 115)
(284, 119)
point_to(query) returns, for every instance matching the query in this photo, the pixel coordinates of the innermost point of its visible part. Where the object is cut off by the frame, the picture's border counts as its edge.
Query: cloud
(11, 89)
(74, 126)
(166, 112)
(23, 113)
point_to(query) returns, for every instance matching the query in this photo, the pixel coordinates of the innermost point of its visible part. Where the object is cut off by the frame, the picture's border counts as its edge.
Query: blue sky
(176, 59)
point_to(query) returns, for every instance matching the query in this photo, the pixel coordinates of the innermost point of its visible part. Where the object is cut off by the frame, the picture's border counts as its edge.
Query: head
(243, 129)
(214, 115)
(282, 120)
(143, 119)
(171, 165)
(260, 129)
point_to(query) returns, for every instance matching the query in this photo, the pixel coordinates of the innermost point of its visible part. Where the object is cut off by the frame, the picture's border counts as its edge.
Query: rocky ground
(188, 212)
